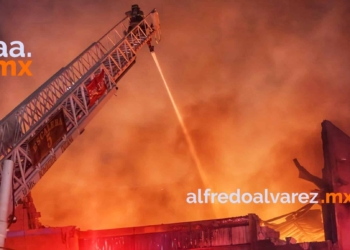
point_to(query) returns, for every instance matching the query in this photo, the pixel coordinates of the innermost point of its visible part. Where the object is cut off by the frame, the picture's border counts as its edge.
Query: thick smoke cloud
(253, 79)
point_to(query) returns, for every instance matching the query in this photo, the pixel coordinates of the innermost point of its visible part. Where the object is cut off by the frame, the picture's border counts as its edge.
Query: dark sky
(253, 79)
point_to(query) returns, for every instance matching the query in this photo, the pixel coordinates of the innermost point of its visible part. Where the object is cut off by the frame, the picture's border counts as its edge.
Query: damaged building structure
(306, 228)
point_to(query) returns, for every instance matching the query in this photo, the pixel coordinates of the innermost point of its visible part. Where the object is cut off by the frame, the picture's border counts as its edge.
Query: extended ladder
(72, 95)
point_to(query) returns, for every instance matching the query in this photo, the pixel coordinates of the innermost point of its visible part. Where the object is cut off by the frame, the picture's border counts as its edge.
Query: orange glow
(253, 81)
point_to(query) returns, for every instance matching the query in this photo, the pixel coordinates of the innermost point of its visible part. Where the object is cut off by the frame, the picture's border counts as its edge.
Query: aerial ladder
(41, 128)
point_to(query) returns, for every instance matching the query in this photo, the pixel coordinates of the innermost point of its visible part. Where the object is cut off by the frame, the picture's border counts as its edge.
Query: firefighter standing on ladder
(136, 16)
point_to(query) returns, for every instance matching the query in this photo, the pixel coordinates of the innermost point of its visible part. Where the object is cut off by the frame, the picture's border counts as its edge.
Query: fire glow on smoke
(253, 81)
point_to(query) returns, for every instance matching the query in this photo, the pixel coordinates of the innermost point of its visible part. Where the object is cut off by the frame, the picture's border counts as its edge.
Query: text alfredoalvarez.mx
(14, 67)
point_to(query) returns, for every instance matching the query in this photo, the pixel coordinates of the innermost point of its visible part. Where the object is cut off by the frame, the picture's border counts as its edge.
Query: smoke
(253, 79)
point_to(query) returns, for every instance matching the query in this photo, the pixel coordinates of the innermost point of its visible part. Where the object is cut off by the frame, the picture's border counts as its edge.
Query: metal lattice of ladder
(114, 53)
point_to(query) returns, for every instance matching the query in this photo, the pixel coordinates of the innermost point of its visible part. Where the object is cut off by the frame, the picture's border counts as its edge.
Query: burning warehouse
(113, 155)
(302, 229)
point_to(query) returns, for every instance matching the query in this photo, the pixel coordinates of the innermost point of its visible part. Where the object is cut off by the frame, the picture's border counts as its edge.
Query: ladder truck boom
(41, 128)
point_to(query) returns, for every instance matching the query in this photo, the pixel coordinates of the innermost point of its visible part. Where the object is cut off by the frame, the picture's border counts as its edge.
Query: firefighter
(135, 16)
